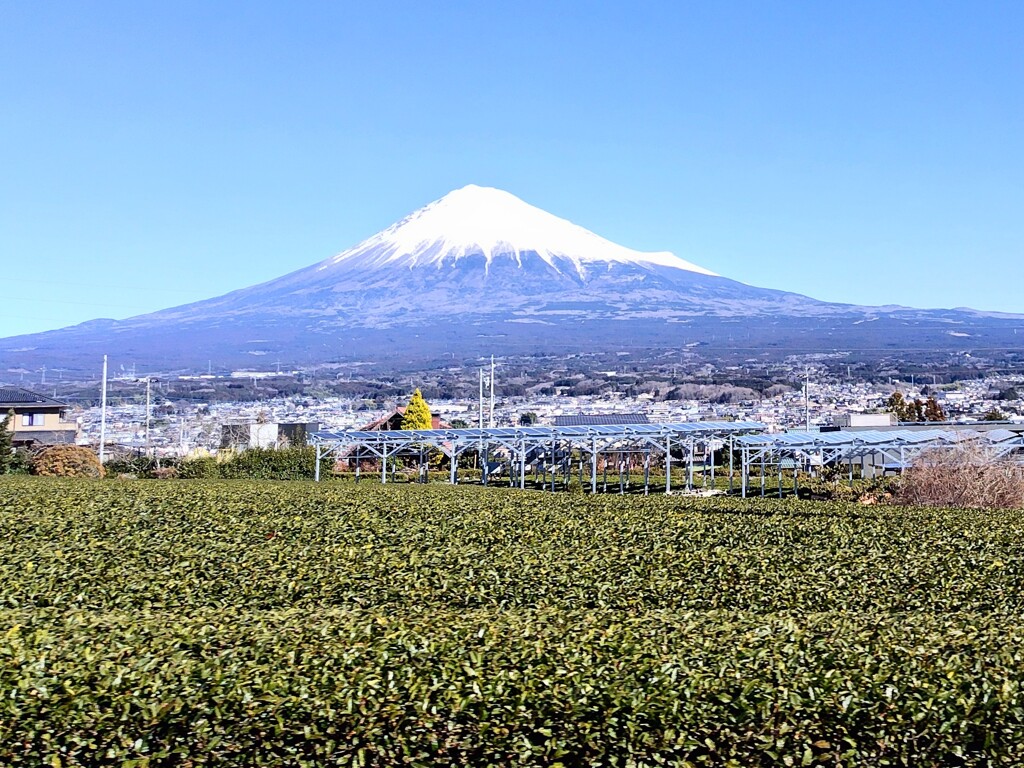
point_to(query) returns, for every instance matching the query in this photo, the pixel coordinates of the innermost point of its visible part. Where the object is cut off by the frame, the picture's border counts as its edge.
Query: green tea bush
(248, 624)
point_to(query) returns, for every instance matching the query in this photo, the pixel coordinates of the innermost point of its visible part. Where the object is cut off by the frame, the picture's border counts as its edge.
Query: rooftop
(14, 396)
(600, 419)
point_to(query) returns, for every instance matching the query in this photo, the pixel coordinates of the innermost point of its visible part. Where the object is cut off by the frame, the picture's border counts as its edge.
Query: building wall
(866, 420)
(51, 421)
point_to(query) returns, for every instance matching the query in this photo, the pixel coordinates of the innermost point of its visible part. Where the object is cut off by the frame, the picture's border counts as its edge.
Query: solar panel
(543, 433)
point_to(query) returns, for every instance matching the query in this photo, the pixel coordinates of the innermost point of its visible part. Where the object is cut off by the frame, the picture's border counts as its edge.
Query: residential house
(38, 419)
(393, 420)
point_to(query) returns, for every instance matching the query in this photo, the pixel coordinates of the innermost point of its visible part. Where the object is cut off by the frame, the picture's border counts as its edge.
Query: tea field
(195, 623)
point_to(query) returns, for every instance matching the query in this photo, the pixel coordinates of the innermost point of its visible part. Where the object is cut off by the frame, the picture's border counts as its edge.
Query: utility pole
(490, 421)
(807, 398)
(149, 381)
(103, 412)
(481, 398)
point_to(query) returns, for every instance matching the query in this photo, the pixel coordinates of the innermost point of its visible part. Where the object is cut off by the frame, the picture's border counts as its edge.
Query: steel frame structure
(521, 443)
(896, 448)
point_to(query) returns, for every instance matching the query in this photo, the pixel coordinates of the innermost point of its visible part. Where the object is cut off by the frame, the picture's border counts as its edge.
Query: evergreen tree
(994, 415)
(417, 413)
(898, 405)
(916, 410)
(933, 411)
(6, 443)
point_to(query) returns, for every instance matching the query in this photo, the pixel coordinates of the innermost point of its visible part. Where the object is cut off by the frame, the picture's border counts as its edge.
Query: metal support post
(553, 444)
(593, 466)
(732, 448)
(762, 471)
(744, 468)
(668, 464)
(316, 469)
(689, 473)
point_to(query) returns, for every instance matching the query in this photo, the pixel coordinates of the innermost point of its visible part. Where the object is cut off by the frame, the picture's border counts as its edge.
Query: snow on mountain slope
(483, 220)
(481, 271)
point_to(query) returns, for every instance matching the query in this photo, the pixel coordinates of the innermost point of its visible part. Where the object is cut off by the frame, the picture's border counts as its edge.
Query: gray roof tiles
(12, 396)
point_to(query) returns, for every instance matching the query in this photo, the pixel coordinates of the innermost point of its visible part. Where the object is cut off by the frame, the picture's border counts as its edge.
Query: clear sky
(157, 153)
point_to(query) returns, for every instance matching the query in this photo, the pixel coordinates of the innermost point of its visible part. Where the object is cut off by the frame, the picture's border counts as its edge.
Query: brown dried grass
(964, 476)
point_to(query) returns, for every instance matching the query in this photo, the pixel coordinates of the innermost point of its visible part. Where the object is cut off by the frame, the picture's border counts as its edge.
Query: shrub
(67, 461)
(130, 464)
(199, 467)
(868, 491)
(274, 464)
(257, 464)
(962, 475)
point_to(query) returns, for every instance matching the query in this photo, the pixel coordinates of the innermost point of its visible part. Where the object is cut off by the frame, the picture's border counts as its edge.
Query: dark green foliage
(198, 468)
(258, 464)
(994, 415)
(839, 489)
(133, 464)
(246, 624)
(6, 443)
(898, 405)
(273, 464)
(914, 410)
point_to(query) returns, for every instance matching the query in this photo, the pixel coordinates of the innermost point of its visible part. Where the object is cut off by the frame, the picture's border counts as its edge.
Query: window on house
(32, 419)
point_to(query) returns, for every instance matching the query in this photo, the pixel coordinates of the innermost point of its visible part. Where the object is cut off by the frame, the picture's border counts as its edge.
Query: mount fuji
(479, 270)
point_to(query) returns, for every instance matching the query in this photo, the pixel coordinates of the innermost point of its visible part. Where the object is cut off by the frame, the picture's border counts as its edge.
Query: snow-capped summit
(475, 220)
(480, 271)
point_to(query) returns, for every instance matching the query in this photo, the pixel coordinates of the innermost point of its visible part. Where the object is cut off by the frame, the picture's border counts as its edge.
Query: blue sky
(157, 153)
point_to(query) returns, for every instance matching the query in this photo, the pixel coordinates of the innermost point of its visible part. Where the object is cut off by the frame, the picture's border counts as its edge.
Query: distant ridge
(479, 270)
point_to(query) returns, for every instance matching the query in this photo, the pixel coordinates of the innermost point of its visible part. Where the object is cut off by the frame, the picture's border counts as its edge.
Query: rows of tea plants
(248, 623)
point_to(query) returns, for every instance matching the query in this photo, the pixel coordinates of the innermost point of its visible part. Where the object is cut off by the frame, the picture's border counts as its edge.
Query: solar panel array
(875, 437)
(537, 433)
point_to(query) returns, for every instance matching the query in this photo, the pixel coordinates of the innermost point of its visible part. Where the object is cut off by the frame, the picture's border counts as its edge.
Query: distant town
(182, 414)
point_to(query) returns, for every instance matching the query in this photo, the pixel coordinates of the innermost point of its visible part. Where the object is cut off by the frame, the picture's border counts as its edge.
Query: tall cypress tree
(6, 443)
(417, 413)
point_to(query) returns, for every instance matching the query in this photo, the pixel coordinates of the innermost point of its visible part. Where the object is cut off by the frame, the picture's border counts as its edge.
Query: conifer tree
(916, 410)
(933, 411)
(898, 405)
(6, 443)
(417, 413)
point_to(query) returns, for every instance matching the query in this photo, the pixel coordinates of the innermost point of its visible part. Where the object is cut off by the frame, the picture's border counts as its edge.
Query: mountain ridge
(481, 263)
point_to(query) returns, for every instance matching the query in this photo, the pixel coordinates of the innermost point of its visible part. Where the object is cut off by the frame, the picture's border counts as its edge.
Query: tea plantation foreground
(238, 623)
